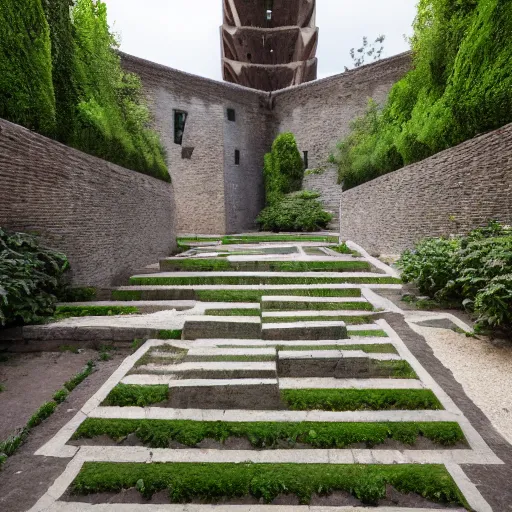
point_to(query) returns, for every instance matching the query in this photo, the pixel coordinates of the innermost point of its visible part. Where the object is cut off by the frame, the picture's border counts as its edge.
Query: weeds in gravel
(2, 388)
(360, 399)
(79, 377)
(60, 395)
(209, 482)
(271, 435)
(125, 395)
(45, 411)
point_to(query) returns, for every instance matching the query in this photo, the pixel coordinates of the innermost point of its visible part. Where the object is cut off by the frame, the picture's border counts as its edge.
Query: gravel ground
(483, 368)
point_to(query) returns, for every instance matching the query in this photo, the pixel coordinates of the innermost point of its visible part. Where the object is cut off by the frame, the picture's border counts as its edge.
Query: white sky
(185, 34)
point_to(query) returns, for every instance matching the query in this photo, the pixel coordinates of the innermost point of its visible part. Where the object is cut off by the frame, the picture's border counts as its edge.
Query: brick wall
(212, 194)
(319, 113)
(451, 192)
(108, 220)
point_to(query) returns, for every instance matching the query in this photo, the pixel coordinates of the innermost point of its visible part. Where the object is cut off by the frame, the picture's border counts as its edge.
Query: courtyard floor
(277, 376)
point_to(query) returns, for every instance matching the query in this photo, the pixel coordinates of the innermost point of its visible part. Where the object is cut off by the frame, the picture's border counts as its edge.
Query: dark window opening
(249, 57)
(231, 114)
(306, 160)
(180, 118)
(237, 157)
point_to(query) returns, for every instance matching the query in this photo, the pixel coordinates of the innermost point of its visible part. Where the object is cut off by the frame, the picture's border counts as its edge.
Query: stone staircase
(283, 391)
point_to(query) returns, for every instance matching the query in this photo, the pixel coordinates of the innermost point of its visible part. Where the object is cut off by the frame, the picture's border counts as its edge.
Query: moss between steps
(348, 319)
(188, 482)
(285, 305)
(159, 433)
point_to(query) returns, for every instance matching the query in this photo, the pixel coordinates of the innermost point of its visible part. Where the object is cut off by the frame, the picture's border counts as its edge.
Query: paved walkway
(232, 368)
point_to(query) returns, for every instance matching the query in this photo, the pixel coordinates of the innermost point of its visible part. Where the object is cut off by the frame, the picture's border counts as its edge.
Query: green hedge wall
(60, 75)
(26, 89)
(460, 86)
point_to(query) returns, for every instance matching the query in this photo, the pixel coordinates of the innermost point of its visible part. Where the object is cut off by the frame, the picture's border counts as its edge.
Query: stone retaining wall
(449, 193)
(108, 220)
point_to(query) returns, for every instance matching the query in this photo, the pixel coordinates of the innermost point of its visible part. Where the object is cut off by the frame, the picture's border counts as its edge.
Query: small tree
(371, 51)
(283, 168)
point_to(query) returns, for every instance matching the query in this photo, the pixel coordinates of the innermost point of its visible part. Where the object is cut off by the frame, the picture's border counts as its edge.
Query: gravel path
(482, 368)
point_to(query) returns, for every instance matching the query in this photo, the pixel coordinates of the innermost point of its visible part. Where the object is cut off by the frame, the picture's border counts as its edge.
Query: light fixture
(269, 14)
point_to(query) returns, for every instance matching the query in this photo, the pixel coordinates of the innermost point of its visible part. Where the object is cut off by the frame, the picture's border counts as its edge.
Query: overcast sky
(185, 34)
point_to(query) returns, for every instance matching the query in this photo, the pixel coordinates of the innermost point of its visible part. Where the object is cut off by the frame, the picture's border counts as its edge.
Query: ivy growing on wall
(60, 75)
(460, 86)
(26, 89)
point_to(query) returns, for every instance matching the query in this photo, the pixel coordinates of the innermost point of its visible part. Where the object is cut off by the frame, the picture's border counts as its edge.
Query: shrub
(31, 278)
(283, 168)
(294, 213)
(26, 89)
(475, 271)
(460, 85)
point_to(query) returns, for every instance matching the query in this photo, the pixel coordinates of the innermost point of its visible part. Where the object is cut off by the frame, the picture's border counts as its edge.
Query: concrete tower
(269, 44)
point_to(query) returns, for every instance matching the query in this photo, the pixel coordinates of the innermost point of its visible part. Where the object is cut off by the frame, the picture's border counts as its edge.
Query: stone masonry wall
(108, 220)
(319, 113)
(449, 193)
(213, 195)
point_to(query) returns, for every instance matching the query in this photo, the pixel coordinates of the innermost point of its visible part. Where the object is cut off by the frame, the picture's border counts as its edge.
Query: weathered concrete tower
(269, 44)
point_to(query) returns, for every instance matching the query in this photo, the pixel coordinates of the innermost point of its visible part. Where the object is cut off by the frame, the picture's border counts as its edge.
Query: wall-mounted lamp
(269, 14)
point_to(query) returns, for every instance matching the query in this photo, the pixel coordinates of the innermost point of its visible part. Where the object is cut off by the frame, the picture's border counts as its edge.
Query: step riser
(228, 330)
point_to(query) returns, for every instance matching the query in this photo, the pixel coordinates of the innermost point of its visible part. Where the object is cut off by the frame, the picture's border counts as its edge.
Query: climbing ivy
(460, 85)
(26, 89)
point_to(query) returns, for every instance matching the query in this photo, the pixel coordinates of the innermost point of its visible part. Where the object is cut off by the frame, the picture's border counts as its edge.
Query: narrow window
(231, 114)
(237, 157)
(180, 118)
(306, 160)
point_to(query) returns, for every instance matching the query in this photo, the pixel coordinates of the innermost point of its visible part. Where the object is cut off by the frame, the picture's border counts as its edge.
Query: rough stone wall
(212, 194)
(108, 220)
(319, 113)
(449, 193)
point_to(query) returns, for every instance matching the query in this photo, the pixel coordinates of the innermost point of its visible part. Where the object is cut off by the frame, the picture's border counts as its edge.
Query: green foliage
(257, 239)
(169, 334)
(367, 334)
(60, 75)
(208, 483)
(269, 435)
(80, 294)
(460, 86)
(475, 271)
(45, 411)
(232, 312)
(376, 348)
(79, 377)
(360, 399)
(26, 89)
(31, 278)
(125, 395)
(76, 311)
(348, 319)
(283, 168)
(286, 305)
(60, 395)
(294, 213)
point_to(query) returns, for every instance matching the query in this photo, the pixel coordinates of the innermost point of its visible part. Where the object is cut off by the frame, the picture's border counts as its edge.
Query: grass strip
(360, 399)
(256, 295)
(160, 433)
(377, 333)
(221, 264)
(376, 348)
(348, 319)
(209, 483)
(316, 306)
(127, 395)
(124, 295)
(166, 334)
(233, 358)
(77, 311)
(233, 239)
(232, 312)
(9, 446)
(395, 369)
(256, 280)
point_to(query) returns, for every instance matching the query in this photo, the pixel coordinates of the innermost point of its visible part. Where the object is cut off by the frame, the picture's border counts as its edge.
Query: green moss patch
(348, 319)
(376, 348)
(316, 306)
(75, 311)
(159, 433)
(255, 295)
(360, 399)
(126, 395)
(377, 333)
(165, 334)
(256, 280)
(124, 295)
(220, 264)
(232, 312)
(189, 482)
